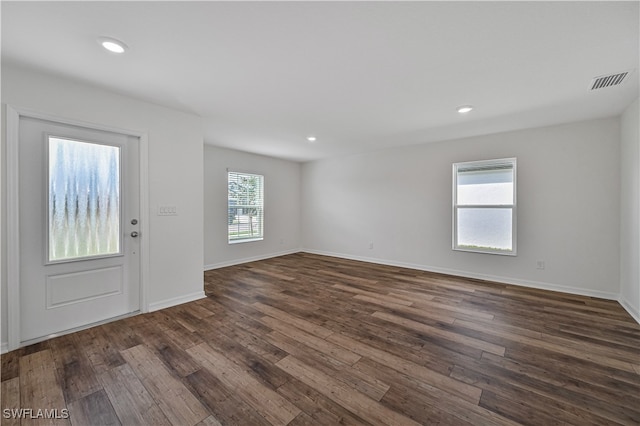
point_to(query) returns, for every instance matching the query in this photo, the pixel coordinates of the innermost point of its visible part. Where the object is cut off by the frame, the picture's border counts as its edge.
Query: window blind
(245, 206)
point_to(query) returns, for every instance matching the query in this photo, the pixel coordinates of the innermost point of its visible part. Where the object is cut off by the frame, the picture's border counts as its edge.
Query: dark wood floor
(306, 339)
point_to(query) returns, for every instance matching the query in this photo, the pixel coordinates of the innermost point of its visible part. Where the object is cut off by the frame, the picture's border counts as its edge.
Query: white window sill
(245, 240)
(486, 251)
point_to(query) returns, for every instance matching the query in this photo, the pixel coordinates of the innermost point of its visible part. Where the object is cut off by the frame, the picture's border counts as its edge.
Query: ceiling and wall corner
(359, 76)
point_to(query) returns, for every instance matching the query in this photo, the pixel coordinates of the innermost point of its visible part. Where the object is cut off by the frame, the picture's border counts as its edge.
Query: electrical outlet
(370, 246)
(540, 264)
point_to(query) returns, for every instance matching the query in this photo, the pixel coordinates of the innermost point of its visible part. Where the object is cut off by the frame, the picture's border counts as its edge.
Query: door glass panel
(84, 200)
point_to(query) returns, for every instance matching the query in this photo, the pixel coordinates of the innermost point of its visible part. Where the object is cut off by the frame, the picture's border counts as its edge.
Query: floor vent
(609, 80)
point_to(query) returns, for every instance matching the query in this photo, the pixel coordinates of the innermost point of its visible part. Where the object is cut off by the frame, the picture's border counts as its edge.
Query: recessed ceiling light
(464, 109)
(112, 45)
(311, 138)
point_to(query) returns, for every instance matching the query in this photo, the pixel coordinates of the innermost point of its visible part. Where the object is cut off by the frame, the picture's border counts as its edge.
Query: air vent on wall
(609, 80)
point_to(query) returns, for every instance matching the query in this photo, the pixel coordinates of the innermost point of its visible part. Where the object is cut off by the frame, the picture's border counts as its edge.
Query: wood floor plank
(613, 321)
(575, 407)
(456, 310)
(257, 344)
(629, 355)
(381, 297)
(11, 360)
(361, 325)
(210, 421)
(541, 343)
(303, 419)
(604, 338)
(304, 339)
(411, 296)
(74, 368)
(455, 387)
(198, 310)
(264, 271)
(121, 334)
(171, 353)
(570, 384)
(381, 301)
(355, 402)
(176, 333)
(322, 345)
(39, 387)
(10, 395)
(11, 364)
(94, 409)
(437, 315)
(434, 331)
(320, 408)
(368, 385)
(276, 409)
(508, 408)
(259, 367)
(102, 352)
(593, 374)
(429, 351)
(428, 404)
(346, 277)
(174, 399)
(300, 323)
(225, 405)
(131, 401)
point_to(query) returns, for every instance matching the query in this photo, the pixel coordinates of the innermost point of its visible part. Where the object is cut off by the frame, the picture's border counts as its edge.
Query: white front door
(79, 223)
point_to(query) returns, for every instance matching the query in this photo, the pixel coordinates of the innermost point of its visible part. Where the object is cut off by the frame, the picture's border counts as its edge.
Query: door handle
(134, 234)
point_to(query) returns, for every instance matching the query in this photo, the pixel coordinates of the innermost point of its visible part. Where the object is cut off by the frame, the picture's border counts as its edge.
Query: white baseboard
(634, 312)
(467, 274)
(156, 306)
(248, 259)
(4, 346)
(495, 278)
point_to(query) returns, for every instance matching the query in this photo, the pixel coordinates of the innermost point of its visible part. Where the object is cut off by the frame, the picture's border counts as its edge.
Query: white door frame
(14, 114)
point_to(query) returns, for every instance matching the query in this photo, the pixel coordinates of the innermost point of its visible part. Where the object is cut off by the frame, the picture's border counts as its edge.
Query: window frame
(252, 238)
(489, 165)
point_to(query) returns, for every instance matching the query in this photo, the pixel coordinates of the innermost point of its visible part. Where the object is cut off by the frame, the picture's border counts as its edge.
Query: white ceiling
(358, 75)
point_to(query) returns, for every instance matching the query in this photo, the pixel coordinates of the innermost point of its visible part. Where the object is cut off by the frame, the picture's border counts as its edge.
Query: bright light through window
(245, 220)
(84, 200)
(484, 206)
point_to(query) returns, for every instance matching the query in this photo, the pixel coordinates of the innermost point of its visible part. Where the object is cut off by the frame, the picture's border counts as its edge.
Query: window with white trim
(484, 206)
(245, 198)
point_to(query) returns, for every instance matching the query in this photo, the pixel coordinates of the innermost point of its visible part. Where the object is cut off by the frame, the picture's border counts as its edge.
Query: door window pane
(84, 199)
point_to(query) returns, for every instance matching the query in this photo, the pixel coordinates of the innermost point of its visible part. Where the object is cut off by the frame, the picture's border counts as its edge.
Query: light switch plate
(167, 211)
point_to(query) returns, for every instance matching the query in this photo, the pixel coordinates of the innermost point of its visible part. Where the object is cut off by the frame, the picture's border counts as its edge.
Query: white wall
(175, 173)
(282, 207)
(400, 200)
(630, 210)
